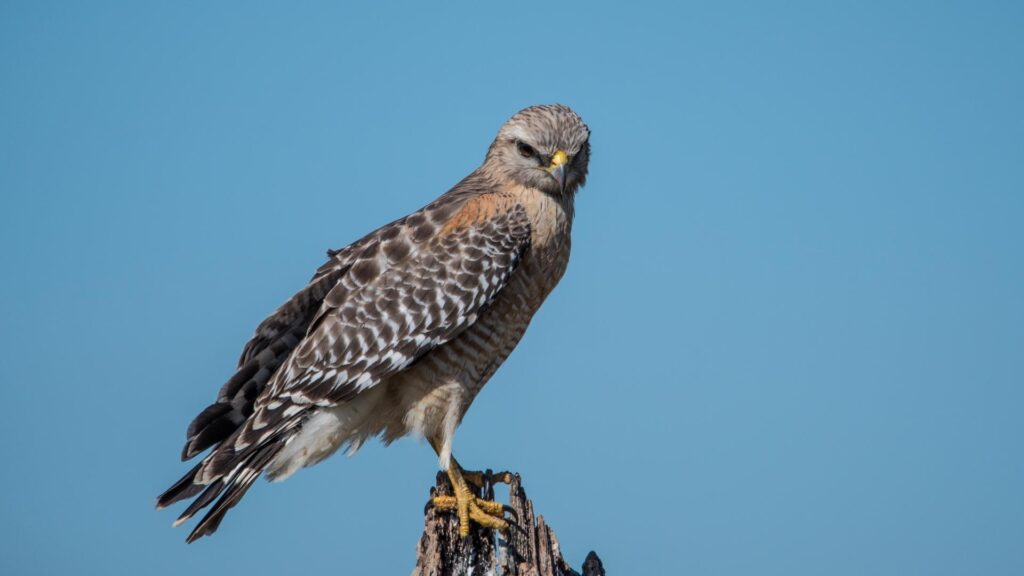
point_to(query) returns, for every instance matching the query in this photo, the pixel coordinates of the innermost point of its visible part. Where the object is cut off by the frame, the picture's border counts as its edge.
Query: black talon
(515, 526)
(512, 511)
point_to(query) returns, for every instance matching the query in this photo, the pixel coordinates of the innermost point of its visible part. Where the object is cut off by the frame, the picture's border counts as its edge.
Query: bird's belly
(435, 393)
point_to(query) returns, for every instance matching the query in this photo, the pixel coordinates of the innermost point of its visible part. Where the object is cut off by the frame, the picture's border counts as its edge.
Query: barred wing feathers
(375, 321)
(361, 336)
(275, 339)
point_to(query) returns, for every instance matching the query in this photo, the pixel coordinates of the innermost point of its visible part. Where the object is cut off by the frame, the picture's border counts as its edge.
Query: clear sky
(790, 339)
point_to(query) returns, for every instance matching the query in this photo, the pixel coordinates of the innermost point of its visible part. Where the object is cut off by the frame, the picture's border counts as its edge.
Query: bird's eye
(525, 150)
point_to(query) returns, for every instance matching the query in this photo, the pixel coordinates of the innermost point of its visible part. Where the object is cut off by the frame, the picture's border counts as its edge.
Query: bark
(529, 549)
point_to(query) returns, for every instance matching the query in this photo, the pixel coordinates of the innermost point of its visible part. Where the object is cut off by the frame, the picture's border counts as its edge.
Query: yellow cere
(559, 158)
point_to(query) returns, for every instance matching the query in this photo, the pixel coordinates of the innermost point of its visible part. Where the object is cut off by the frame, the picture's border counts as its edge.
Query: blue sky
(790, 340)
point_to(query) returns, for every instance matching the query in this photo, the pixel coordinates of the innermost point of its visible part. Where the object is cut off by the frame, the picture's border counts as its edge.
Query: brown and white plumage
(396, 333)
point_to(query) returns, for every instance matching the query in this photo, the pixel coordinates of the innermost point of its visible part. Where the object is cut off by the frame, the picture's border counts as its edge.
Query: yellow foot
(467, 505)
(487, 513)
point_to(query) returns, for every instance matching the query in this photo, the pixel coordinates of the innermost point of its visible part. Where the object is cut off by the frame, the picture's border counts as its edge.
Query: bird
(396, 334)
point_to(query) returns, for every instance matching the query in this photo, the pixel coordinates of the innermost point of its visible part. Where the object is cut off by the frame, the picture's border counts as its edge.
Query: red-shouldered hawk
(397, 333)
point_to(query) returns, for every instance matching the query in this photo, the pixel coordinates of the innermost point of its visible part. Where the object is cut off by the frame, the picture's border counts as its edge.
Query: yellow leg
(467, 505)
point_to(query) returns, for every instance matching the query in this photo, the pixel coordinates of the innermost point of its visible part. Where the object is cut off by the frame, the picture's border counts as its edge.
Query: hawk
(397, 332)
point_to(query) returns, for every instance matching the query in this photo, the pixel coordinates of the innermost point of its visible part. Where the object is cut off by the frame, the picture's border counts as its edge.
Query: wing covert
(362, 336)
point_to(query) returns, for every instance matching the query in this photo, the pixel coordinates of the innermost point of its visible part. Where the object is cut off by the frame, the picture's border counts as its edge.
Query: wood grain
(529, 549)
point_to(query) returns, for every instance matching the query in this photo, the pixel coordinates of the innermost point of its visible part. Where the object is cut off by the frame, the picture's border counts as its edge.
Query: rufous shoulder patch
(475, 211)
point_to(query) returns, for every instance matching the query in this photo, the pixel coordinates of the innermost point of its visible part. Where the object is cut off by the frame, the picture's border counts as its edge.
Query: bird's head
(545, 147)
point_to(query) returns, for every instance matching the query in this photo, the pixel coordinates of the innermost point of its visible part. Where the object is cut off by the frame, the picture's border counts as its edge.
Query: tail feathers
(233, 490)
(225, 475)
(209, 494)
(183, 488)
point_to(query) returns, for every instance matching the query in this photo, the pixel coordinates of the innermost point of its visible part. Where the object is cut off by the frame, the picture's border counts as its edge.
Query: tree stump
(529, 549)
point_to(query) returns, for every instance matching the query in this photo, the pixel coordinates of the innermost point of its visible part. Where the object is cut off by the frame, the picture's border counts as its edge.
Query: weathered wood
(529, 549)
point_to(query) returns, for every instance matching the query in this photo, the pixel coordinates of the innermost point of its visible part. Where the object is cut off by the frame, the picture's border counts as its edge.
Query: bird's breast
(550, 233)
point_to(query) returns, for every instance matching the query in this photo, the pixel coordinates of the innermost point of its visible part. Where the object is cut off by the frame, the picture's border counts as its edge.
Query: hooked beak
(559, 160)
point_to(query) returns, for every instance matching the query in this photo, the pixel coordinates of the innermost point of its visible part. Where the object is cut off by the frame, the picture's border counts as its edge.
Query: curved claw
(505, 508)
(517, 528)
